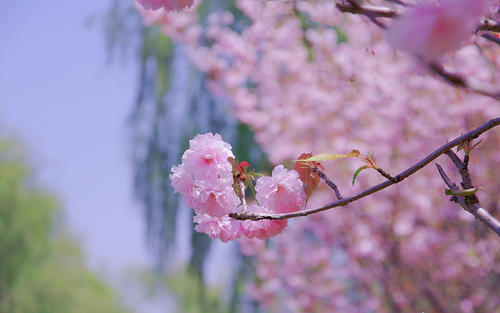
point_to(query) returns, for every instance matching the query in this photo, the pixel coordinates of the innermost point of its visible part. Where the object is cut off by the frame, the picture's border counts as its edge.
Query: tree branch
(469, 203)
(327, 180)
(459, 82)
(400, 177)
(491, 38)
(370, 11)
(485, 217)
(386, 175)
(489, 25)
(486, 24)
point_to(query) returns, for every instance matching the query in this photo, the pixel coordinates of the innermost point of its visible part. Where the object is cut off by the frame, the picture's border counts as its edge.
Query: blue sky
(69, 107)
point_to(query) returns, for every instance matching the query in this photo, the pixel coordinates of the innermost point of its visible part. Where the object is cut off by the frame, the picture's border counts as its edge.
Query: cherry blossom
(262, 229)
(168, 5)
(283, 191)
(430, 30)
(205, 176)
(319, 89)
(224, 228)
(205, 179)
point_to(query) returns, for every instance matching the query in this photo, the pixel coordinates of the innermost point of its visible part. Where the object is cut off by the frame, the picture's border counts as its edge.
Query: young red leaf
(307, 176)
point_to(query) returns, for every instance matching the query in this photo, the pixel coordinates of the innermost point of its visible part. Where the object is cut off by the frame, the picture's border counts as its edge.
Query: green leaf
(327, 157)
(462, 193)
(357, 172)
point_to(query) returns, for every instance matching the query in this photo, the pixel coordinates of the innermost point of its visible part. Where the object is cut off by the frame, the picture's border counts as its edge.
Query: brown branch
(489, 25)
(491, 38)
(446, 179)
(486, 24)
(485, 217)
(452, 186)
(399, 2)
(460, 82)
(454, 158)
(330, 183)
(469, 203)
(403, 175)
(386, 175)
(374, 12)
(462, 167)
(370, 11)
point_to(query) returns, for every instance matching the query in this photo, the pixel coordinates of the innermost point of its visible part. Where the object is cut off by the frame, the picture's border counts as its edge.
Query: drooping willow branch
(397, 179)
(486, 25)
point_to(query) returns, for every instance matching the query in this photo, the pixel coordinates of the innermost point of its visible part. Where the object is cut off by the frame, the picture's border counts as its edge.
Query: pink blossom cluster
(205, 176)
(167, 5)
(179, 25)
(405, 249)
(205, 179)
(430, 30)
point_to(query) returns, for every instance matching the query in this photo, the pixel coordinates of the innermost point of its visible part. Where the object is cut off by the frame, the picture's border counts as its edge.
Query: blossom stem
(330, 183)
(241, 184)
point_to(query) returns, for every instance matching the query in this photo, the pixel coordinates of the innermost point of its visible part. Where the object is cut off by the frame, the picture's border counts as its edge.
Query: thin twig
(401, 3)
(367, 10)
(330, 183)
(403, 175)
(469, 203)
(490, 25)
(374, 12)
(459, 82)
(462, 167)
(454, 158)
(485, 217)
(465, 163)
(486, 24)
(241, 184)
(452, 186)
(386, 175)
(491, 38)
(446, 179)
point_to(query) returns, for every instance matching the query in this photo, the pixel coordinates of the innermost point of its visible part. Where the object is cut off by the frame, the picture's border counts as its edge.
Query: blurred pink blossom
(168, 5)
(430, 30)
(331, 90)
(251, 246)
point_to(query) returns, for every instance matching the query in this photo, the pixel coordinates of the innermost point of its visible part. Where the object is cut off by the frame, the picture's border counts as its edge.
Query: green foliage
(193, 296)
(356, 173)
(61, 283)
(41, 270)
(246, 148)
(25, 220)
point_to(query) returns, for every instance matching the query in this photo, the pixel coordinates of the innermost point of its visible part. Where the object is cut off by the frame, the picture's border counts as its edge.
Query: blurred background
(96, 107)
(76, 232)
